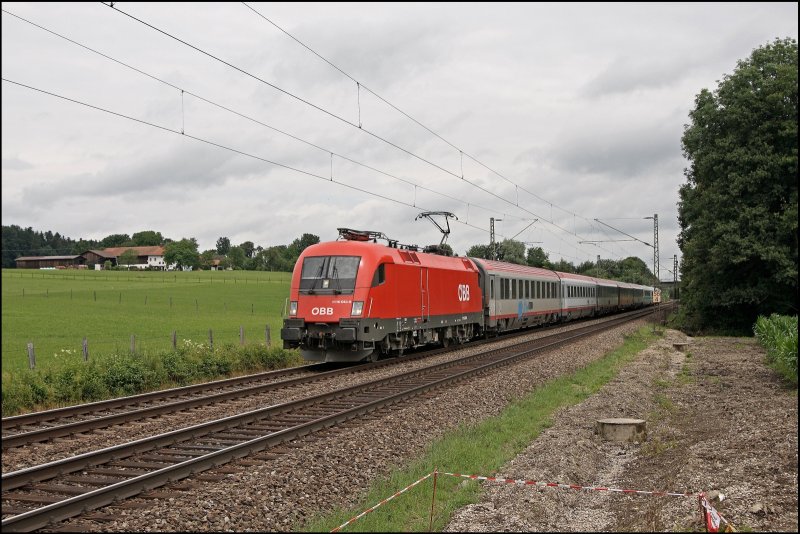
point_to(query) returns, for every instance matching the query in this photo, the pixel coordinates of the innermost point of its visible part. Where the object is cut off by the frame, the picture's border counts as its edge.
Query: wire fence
(138, 345)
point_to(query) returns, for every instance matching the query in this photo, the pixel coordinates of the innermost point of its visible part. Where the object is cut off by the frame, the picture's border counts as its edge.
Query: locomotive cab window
(329, 274)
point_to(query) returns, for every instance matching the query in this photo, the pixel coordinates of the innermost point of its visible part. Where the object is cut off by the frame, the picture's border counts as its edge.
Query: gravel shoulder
(718, 420)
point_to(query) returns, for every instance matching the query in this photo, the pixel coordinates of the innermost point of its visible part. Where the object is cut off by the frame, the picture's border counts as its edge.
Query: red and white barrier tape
(384, 501)
(711, 517)
(569, 486)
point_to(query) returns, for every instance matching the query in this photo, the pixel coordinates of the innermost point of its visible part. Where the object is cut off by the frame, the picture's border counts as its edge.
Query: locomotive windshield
(329, 274)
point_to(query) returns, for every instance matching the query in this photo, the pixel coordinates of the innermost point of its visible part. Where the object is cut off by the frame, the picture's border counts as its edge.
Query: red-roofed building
(152, 257)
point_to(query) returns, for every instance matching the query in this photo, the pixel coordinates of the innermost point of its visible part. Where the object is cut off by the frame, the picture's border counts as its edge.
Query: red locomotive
(355, 299)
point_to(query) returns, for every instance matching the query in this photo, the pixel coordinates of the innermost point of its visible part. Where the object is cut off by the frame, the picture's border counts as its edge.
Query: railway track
(47, 425)
(37, 496)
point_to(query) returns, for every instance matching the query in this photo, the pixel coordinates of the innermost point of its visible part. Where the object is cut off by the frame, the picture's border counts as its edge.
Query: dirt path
(718, 420)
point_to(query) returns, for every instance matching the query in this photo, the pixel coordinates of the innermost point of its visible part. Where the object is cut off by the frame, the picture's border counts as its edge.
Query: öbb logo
(463, 292)
(321, 311)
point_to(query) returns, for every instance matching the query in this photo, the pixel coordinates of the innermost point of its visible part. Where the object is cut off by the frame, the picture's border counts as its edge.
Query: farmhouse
(152, 257)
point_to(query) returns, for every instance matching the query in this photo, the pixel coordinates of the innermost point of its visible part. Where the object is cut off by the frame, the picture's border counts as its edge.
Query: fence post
(174, 339)
(85, 350)
(241, 335)
(266, 336)
(210, 339)
(133, 344)
(31, 356)
(251, 308)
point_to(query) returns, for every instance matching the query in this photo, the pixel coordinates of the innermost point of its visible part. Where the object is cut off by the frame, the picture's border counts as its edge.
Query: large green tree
(738, 209)
(223, 245)
(537, 257)
(147, 238)
(182, 254)
(115, 240)
(480, 251)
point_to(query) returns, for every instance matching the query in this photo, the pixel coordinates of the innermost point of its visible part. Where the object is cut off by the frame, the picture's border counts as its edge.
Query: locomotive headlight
(358, 307)
(293, 308)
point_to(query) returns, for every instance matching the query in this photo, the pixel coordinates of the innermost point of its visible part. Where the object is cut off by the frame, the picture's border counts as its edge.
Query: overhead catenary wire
(252, 119)
(212, 143)
(462, 153)
(350, 123)
(184, 91)
(468, 204)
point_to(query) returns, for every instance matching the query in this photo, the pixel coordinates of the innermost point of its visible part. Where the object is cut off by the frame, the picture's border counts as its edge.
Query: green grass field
(56, 309)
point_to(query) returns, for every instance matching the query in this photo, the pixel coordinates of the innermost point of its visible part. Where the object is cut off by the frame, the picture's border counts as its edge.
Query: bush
(778, 334)
(74, 381)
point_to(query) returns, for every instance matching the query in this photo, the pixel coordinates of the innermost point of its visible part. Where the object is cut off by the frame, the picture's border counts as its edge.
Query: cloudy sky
(261, 122)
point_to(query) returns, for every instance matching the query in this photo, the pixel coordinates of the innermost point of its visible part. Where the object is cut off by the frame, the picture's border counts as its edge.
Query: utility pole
(675, 275)
(655, 248)
(492, 244)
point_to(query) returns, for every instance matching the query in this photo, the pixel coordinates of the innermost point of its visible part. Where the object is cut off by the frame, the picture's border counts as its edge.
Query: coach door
(425, 313)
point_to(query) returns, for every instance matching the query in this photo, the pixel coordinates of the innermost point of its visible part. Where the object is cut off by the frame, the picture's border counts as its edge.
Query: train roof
(377, 253)
(581, 277)
(493, 266)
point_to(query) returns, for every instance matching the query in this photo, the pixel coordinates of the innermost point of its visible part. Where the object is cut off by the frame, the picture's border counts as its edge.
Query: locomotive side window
(380, 275)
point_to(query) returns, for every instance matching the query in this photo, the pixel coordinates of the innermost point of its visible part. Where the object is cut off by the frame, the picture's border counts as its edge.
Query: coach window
(513, 289)
(527, 289)
(491, 288)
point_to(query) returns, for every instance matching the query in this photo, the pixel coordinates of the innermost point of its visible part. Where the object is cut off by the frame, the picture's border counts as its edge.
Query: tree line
(20, 242)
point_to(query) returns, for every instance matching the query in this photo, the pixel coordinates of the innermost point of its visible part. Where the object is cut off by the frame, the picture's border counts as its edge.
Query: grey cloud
(625, 153)
(16, 164)
(175, 169)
